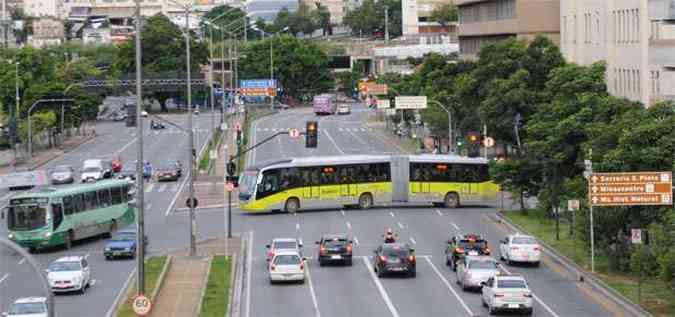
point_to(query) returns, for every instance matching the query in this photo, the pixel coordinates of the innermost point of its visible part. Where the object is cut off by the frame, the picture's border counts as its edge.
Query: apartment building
(416, 16)
(485, 21)
(43, 8)
(636, 38)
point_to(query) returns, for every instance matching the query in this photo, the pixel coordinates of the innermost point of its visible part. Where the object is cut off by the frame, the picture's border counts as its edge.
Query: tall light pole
(191, 161)
(386, 23)
(211, 74)
(140, 204)
(450, 138)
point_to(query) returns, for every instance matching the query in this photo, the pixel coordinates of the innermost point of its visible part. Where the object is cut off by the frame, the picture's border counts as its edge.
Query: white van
(92, 170)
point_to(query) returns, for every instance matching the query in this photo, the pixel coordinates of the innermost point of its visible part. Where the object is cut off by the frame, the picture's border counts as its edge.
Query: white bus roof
(355, 159)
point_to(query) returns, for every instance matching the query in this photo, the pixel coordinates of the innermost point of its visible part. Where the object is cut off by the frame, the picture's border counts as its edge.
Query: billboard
(630, 189)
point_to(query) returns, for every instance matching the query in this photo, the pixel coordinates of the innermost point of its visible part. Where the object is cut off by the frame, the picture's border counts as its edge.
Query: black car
(335, 248)
(128, 171)
(462, 245)
(395, 258)
(168, 171)
(154, 125)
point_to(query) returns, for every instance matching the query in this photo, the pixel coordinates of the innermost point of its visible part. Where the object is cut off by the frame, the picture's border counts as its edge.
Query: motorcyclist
(389, 236)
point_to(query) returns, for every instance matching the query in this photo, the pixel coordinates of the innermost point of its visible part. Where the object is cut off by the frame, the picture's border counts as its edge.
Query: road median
(155, 271)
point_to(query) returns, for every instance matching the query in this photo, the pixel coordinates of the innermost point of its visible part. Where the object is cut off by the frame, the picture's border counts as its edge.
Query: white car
(344, 109)
(71, 273)
(144, 113)
(507, 293)
(28, 307)
(283, 244)
(520, 248)
(474, 270)
(287, 266)
(92, 170)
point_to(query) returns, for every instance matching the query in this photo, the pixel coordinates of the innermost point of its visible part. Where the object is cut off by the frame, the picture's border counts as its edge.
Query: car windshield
(466, 244)
(483, 265)
(61, 169)
(289, 259)
(396, 253)
(335, 242)
(124, 236)
(92, 170)
(511, 284)
(129, 167)
(27, 217)
(65, 266)
(27, 308)
(247, 183)
(167, 166)
(285, 245)
(524, 240)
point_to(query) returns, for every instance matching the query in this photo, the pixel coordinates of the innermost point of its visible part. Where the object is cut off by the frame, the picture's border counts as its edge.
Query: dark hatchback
(122, 244)
(335, 248)
(396, 258)
(168, 171)
(462, 245)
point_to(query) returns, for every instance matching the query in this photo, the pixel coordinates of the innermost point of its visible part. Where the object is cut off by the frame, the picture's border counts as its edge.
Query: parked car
(28, 307)
(287, 266)
(335, 248)
(520, 248)
(474, 270)
(507, 293)
(395, 258)
(70, 273)
(122, 244)
(62, 174)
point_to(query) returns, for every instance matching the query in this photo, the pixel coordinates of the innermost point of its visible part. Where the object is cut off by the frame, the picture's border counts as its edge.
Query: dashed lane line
(356, 241)
(21, 261)
(439, 212)
(333, 141)
(161, 188)
(349, 225)
(447, 284)
(380, 288)
(413, 240)
(400, 225)
(312, 293)
(548, 309)
(391, 213)
(455, 226)
(4, 277)
(342, 212)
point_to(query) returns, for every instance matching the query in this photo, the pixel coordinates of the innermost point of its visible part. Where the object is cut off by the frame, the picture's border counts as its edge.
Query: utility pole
(271, 68)
(588, 173)
(191, 161)
(386, 24)
(15, 118)
(140, 180)
(212, 99)
(222, 73)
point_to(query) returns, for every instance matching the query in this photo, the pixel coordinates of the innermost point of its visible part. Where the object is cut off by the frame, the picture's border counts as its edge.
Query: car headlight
(47, 234)
(127, 249)
(107, 248)
(10, 236)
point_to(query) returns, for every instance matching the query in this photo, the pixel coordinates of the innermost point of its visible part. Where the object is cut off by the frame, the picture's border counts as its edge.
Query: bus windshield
(26, 217)
(247, 184)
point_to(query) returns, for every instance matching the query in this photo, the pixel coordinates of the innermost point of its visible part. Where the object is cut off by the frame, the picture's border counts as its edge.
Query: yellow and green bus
(365, 180)
(58, 216)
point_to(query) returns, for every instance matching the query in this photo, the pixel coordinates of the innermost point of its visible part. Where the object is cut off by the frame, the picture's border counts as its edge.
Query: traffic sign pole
(589, 169)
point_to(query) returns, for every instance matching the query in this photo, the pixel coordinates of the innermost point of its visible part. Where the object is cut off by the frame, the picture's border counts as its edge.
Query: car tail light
(487, 251)
(411, 258)
(349, 248)
(272, 267)
(459, 250)
(499, 295)
(322, 250)
(270, 253)
(527, 295)
(383, 258)
(537, 248)
(302, 266)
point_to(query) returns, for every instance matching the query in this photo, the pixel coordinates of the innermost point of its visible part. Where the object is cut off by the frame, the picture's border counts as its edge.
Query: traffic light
(473, 137)
(312, 134)
(238, 137)
(231, 168)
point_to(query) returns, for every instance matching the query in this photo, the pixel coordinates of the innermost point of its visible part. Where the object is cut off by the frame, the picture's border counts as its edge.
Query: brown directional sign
(628, 189)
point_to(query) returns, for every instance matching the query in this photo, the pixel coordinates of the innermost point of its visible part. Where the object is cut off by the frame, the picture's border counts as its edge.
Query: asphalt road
(355, 290)
(17, 278)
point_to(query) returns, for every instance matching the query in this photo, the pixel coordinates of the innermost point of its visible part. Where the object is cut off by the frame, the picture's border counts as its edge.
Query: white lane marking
(122, 291)
(439, 212)
(356, 241)
(311, 291)
(349, 225)
(161, 188)
(148, 207)
(454, 225)
(297, 226)
(333, 141)
(248, 275)
(447, 284)
(342, 212)
(550, 311)
(4, 277)
(391, 213)
(357, 137)
(175, 197)
(380, 288)
(21, 261)
(400, 225)
(413, 240)
(149, 188)
(126, 146)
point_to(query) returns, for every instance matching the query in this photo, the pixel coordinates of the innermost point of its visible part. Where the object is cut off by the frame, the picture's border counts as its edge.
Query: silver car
(474, 270)
(62, 174)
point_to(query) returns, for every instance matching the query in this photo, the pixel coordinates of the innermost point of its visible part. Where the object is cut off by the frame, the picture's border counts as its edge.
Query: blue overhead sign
(258, 83)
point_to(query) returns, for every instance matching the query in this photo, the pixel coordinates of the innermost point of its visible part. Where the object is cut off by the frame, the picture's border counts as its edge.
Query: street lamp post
(140, 202)
(191, 161)
(386, 24)
(450, 138)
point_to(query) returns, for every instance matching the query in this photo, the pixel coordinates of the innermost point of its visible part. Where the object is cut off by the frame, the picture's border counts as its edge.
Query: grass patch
(656, 297)
(217, 292)
(153, 267)
(206, 156)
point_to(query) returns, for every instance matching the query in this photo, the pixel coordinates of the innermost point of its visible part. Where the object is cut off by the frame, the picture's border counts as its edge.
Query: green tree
(445, 13)
(227, 16)
(294, 59)
(322, 19)
(347, 81)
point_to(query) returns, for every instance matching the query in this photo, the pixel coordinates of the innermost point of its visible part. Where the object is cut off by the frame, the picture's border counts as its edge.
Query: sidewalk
(43, 157)
(184, 283)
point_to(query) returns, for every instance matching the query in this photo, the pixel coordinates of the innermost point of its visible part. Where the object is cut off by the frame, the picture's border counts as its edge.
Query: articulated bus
(58, 216)
(325, 104)
(365, 180)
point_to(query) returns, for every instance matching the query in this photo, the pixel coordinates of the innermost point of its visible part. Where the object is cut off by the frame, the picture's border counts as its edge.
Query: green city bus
(58, 216)
(365, 180)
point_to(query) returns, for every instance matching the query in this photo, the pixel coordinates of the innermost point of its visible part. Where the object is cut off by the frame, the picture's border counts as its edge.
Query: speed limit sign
(141, 305)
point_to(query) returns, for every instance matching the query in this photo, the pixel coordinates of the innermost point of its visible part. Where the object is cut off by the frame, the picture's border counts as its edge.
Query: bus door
(310, 178)
(347, 178)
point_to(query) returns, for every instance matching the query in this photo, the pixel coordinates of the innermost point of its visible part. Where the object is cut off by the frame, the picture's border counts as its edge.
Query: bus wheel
(451, 200)
(292, 205)
(68, 239)
(365, 201)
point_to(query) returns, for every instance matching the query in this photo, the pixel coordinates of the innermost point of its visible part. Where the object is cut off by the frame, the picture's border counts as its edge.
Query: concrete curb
(124, 293)
(198, 308)
(590, 279)
(160, 279)
(238, 288)
(233, 270)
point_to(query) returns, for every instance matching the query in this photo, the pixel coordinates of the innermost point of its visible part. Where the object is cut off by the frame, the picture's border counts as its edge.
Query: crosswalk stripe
(149, 188)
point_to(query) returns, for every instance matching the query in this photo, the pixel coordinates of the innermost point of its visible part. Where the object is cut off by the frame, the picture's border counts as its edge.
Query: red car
(116, 165)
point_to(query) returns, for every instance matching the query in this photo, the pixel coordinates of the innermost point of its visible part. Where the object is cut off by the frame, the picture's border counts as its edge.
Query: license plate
(117, 253)
(336, 257)
(288, 275)
(514, 306)
(396, 269)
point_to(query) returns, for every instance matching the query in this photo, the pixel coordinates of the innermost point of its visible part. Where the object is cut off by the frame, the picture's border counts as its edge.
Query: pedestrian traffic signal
(238, 137)
(231, 168)
(312, 134)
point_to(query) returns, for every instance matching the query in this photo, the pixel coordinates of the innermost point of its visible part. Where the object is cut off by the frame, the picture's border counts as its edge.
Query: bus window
(383, 172)
(104, 198)
(483, 173)
(420, 172)
(270, 184)
(290, 178)
(116, 195)
(367, 173)
(57, 212)
(68, 205)
(347, 173)
(90, 201)
(310, 176)
(26, 217)
(78, 203)
(328, 175)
